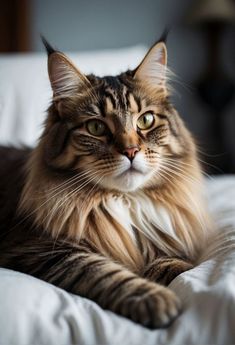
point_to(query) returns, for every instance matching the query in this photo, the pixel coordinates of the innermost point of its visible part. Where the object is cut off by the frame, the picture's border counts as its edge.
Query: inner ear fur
(152, 70)
(66, 79)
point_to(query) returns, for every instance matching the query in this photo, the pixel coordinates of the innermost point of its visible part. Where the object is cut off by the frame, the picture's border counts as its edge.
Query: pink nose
(130, 152)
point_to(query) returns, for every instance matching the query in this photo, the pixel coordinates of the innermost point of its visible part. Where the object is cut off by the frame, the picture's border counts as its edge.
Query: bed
(34, 312)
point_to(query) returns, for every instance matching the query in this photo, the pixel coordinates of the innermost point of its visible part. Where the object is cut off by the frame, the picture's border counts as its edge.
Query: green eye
(145, 121)
(96, 127)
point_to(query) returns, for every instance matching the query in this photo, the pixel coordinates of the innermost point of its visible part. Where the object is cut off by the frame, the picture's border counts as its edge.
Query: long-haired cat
(109, 204)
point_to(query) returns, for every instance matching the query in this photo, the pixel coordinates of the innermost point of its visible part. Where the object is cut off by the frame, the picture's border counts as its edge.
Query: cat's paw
(156, 308)
(164, 270)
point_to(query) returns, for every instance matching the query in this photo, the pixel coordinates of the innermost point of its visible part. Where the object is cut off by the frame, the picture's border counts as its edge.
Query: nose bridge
(126, 136)
(127, 140)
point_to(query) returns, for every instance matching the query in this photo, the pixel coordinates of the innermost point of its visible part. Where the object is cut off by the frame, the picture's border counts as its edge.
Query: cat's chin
(128, 181)
(128, 177)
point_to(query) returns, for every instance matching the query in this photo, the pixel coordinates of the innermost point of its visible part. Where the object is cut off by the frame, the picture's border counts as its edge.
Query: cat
(109, 205)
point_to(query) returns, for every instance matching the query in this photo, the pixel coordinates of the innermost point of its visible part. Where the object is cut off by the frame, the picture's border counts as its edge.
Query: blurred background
(201, 48)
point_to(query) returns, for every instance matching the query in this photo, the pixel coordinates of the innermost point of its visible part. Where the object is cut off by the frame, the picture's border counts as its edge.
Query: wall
(97, 24)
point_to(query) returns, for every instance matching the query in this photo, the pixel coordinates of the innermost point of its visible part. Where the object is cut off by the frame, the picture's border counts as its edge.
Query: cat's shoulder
(11, 153)
(12, 160)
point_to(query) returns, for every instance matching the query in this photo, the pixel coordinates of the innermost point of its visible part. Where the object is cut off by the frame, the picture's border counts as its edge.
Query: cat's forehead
(120, 95)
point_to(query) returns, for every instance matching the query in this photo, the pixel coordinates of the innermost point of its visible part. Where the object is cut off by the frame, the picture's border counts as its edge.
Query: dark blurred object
(14, 26)
(214, 86)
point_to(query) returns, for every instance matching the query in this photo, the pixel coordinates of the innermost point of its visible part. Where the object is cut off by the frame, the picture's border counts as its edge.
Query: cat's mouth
(129, 176)
(131, 170)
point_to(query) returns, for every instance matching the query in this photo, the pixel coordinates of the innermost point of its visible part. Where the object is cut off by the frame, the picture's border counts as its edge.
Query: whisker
(81, 209)
(38, 208)
(163, 176)
(211, 165)
(89, 194)
(67, 182)
(186, 164)
(69, 185)
(70, 179)
(60, 203)
(201, 221)
(93, 177)
(210, 155)
(202, 161)
(181, 172)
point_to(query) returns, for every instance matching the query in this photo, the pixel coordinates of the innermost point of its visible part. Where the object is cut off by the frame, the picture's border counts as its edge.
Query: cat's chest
(141, 213)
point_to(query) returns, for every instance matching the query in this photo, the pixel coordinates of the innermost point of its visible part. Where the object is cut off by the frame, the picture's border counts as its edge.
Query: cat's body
(110, 201)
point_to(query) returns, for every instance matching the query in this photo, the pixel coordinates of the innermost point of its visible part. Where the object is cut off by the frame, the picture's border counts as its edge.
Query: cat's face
(116, 132)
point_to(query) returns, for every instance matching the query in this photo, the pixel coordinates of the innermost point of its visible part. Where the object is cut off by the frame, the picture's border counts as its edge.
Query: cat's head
(116, 132)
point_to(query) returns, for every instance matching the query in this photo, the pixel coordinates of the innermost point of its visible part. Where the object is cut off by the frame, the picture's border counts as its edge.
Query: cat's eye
(96, 128)
(145, 121)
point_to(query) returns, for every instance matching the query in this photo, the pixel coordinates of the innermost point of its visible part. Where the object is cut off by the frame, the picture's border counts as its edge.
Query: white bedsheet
(34, 312)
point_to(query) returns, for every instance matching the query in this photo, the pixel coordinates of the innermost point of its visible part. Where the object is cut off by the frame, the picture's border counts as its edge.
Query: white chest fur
(141, 212)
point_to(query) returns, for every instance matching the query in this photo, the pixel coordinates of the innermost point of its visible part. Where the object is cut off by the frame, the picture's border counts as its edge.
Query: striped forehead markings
(111, 99)
(115, 96)
(133, 104)
(122, 101)
(109, 105)
(117, 92)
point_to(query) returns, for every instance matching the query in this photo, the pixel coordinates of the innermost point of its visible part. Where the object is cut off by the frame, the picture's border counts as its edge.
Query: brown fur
(65, 232)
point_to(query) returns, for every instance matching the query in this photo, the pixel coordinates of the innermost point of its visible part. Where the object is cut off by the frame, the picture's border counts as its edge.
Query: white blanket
(34, 312)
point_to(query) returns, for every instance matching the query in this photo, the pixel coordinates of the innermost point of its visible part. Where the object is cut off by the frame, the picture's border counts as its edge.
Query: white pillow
(25, 91)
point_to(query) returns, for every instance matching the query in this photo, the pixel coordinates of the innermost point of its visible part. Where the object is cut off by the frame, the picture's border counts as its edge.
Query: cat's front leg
(82, 271)
(164, 269)
(117, 289)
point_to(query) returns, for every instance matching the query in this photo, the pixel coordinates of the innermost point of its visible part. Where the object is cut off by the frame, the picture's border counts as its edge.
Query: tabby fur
(79, 212)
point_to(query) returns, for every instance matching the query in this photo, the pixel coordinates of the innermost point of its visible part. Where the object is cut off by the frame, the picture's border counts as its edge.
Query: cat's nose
(130, 152)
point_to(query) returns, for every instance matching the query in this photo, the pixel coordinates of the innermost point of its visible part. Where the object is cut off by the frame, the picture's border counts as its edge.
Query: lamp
(212, 10)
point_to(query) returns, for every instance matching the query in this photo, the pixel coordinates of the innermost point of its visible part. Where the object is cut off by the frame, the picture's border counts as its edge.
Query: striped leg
(80, 270)
(163, 270)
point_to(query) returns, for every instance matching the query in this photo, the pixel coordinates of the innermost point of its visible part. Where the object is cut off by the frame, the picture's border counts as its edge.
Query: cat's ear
(66, 80)
(153, 68)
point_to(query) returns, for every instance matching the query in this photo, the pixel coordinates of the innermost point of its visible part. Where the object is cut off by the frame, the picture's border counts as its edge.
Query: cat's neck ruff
(138, 211)
(172, 218)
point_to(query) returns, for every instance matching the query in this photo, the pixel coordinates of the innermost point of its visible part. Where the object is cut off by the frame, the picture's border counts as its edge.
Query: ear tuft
(164, 36)
(49, 49)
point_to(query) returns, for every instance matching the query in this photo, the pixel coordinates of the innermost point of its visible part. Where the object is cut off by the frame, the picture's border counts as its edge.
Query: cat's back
(12, 163)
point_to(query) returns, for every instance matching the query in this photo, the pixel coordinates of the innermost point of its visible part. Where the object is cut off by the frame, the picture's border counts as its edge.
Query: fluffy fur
(143, 213)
